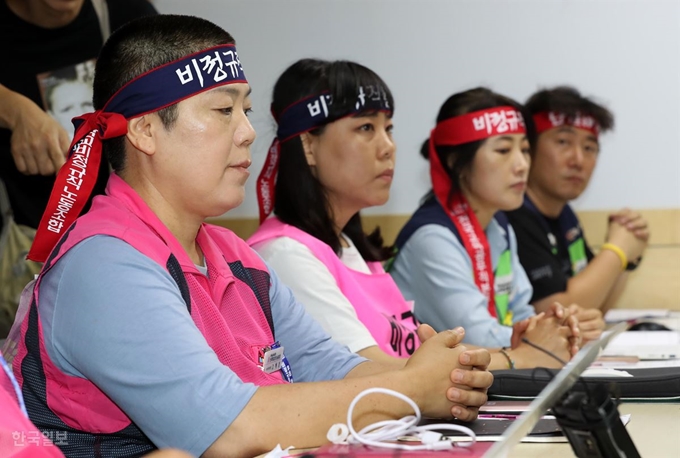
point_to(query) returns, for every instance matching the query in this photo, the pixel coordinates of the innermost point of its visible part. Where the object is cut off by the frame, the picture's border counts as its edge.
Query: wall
(655, 284)
(626, 53)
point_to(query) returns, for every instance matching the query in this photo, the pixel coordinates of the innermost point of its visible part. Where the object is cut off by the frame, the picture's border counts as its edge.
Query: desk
(654, 428)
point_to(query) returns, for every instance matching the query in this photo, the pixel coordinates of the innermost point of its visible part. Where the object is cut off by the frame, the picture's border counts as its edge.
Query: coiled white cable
(390, 430)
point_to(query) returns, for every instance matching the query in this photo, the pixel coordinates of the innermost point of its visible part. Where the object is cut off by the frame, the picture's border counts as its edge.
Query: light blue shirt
(434, 270)
(115, 317)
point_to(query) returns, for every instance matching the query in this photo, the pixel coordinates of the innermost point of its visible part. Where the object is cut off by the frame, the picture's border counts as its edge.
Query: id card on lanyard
(272, 359)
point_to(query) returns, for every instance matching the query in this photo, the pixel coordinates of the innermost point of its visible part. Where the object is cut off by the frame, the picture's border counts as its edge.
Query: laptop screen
(553, 392)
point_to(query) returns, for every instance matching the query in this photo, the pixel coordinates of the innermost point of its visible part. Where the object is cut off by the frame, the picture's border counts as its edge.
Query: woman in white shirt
(335, 156)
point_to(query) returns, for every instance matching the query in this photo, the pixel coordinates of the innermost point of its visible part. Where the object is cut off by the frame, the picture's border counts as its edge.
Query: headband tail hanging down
(266, 181)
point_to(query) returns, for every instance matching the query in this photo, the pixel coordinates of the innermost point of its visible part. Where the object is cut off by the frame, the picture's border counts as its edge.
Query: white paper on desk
(637, 364)
(604, 372)
(616, 315)
(645, 344)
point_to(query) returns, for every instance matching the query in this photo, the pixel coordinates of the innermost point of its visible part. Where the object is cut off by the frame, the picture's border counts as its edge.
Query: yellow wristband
(622, 256)
(511, 362)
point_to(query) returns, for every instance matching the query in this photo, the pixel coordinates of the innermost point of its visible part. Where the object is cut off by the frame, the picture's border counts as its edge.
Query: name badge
(272, 359)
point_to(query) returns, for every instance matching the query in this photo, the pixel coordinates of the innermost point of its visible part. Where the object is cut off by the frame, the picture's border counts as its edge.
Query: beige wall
(655, 284)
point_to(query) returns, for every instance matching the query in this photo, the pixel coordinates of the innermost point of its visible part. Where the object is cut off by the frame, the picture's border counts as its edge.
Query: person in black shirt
(551, 244)
(40, 38)
(47, 50)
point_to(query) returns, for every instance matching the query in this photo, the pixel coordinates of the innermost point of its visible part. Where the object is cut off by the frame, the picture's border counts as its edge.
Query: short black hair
(469, 101)
(301, 199)
(568, 101)
(142, 45)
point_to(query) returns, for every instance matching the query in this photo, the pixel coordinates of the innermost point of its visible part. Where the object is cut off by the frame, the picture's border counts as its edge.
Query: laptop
(553, 392)
(560, 384)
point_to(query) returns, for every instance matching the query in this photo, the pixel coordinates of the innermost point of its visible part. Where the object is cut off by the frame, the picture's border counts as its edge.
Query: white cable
(391, 430)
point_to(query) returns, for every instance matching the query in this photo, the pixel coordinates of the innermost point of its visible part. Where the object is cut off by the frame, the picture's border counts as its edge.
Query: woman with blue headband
(333, 157)
(147, 327)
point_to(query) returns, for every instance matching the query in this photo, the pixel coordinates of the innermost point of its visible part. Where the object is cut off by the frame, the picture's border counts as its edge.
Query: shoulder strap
(102, 10)
(176, 273)
(502, 219)
(568, 219)
(430, 212)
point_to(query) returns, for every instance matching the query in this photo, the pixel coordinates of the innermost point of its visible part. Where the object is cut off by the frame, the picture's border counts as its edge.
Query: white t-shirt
(315, 287)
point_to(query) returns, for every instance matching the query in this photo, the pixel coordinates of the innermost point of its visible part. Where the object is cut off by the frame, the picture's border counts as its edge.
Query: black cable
(547, 352)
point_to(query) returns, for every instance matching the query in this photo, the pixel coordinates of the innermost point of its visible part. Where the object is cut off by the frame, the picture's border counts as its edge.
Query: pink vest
(18, 437)
(224, 307)
(375, 297)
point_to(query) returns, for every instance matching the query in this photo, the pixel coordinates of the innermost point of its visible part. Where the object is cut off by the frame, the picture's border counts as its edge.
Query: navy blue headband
(152, 91)
(177, 80)
(314, 111)
(302, 116)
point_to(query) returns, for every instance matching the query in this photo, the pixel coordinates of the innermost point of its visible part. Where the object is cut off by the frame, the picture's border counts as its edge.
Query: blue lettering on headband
(312, 112)
(175, 81)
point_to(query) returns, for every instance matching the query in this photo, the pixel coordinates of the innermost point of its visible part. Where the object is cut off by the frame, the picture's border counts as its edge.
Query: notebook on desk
(618, 315)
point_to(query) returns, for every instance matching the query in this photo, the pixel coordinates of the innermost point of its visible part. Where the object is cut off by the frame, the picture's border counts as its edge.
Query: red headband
(546, 120)
(478, 125)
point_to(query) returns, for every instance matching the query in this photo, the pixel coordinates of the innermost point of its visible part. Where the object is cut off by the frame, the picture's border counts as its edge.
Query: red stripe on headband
(479, 125)
(546, 120)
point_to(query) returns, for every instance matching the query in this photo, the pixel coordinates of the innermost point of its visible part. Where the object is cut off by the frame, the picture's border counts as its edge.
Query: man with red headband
(149, 328)
(552, 246)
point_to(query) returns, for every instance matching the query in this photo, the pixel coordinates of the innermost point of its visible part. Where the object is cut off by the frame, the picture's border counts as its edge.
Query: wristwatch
(633, 265)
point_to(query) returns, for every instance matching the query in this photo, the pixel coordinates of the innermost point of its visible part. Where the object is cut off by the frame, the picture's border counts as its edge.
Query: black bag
(650, 384)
